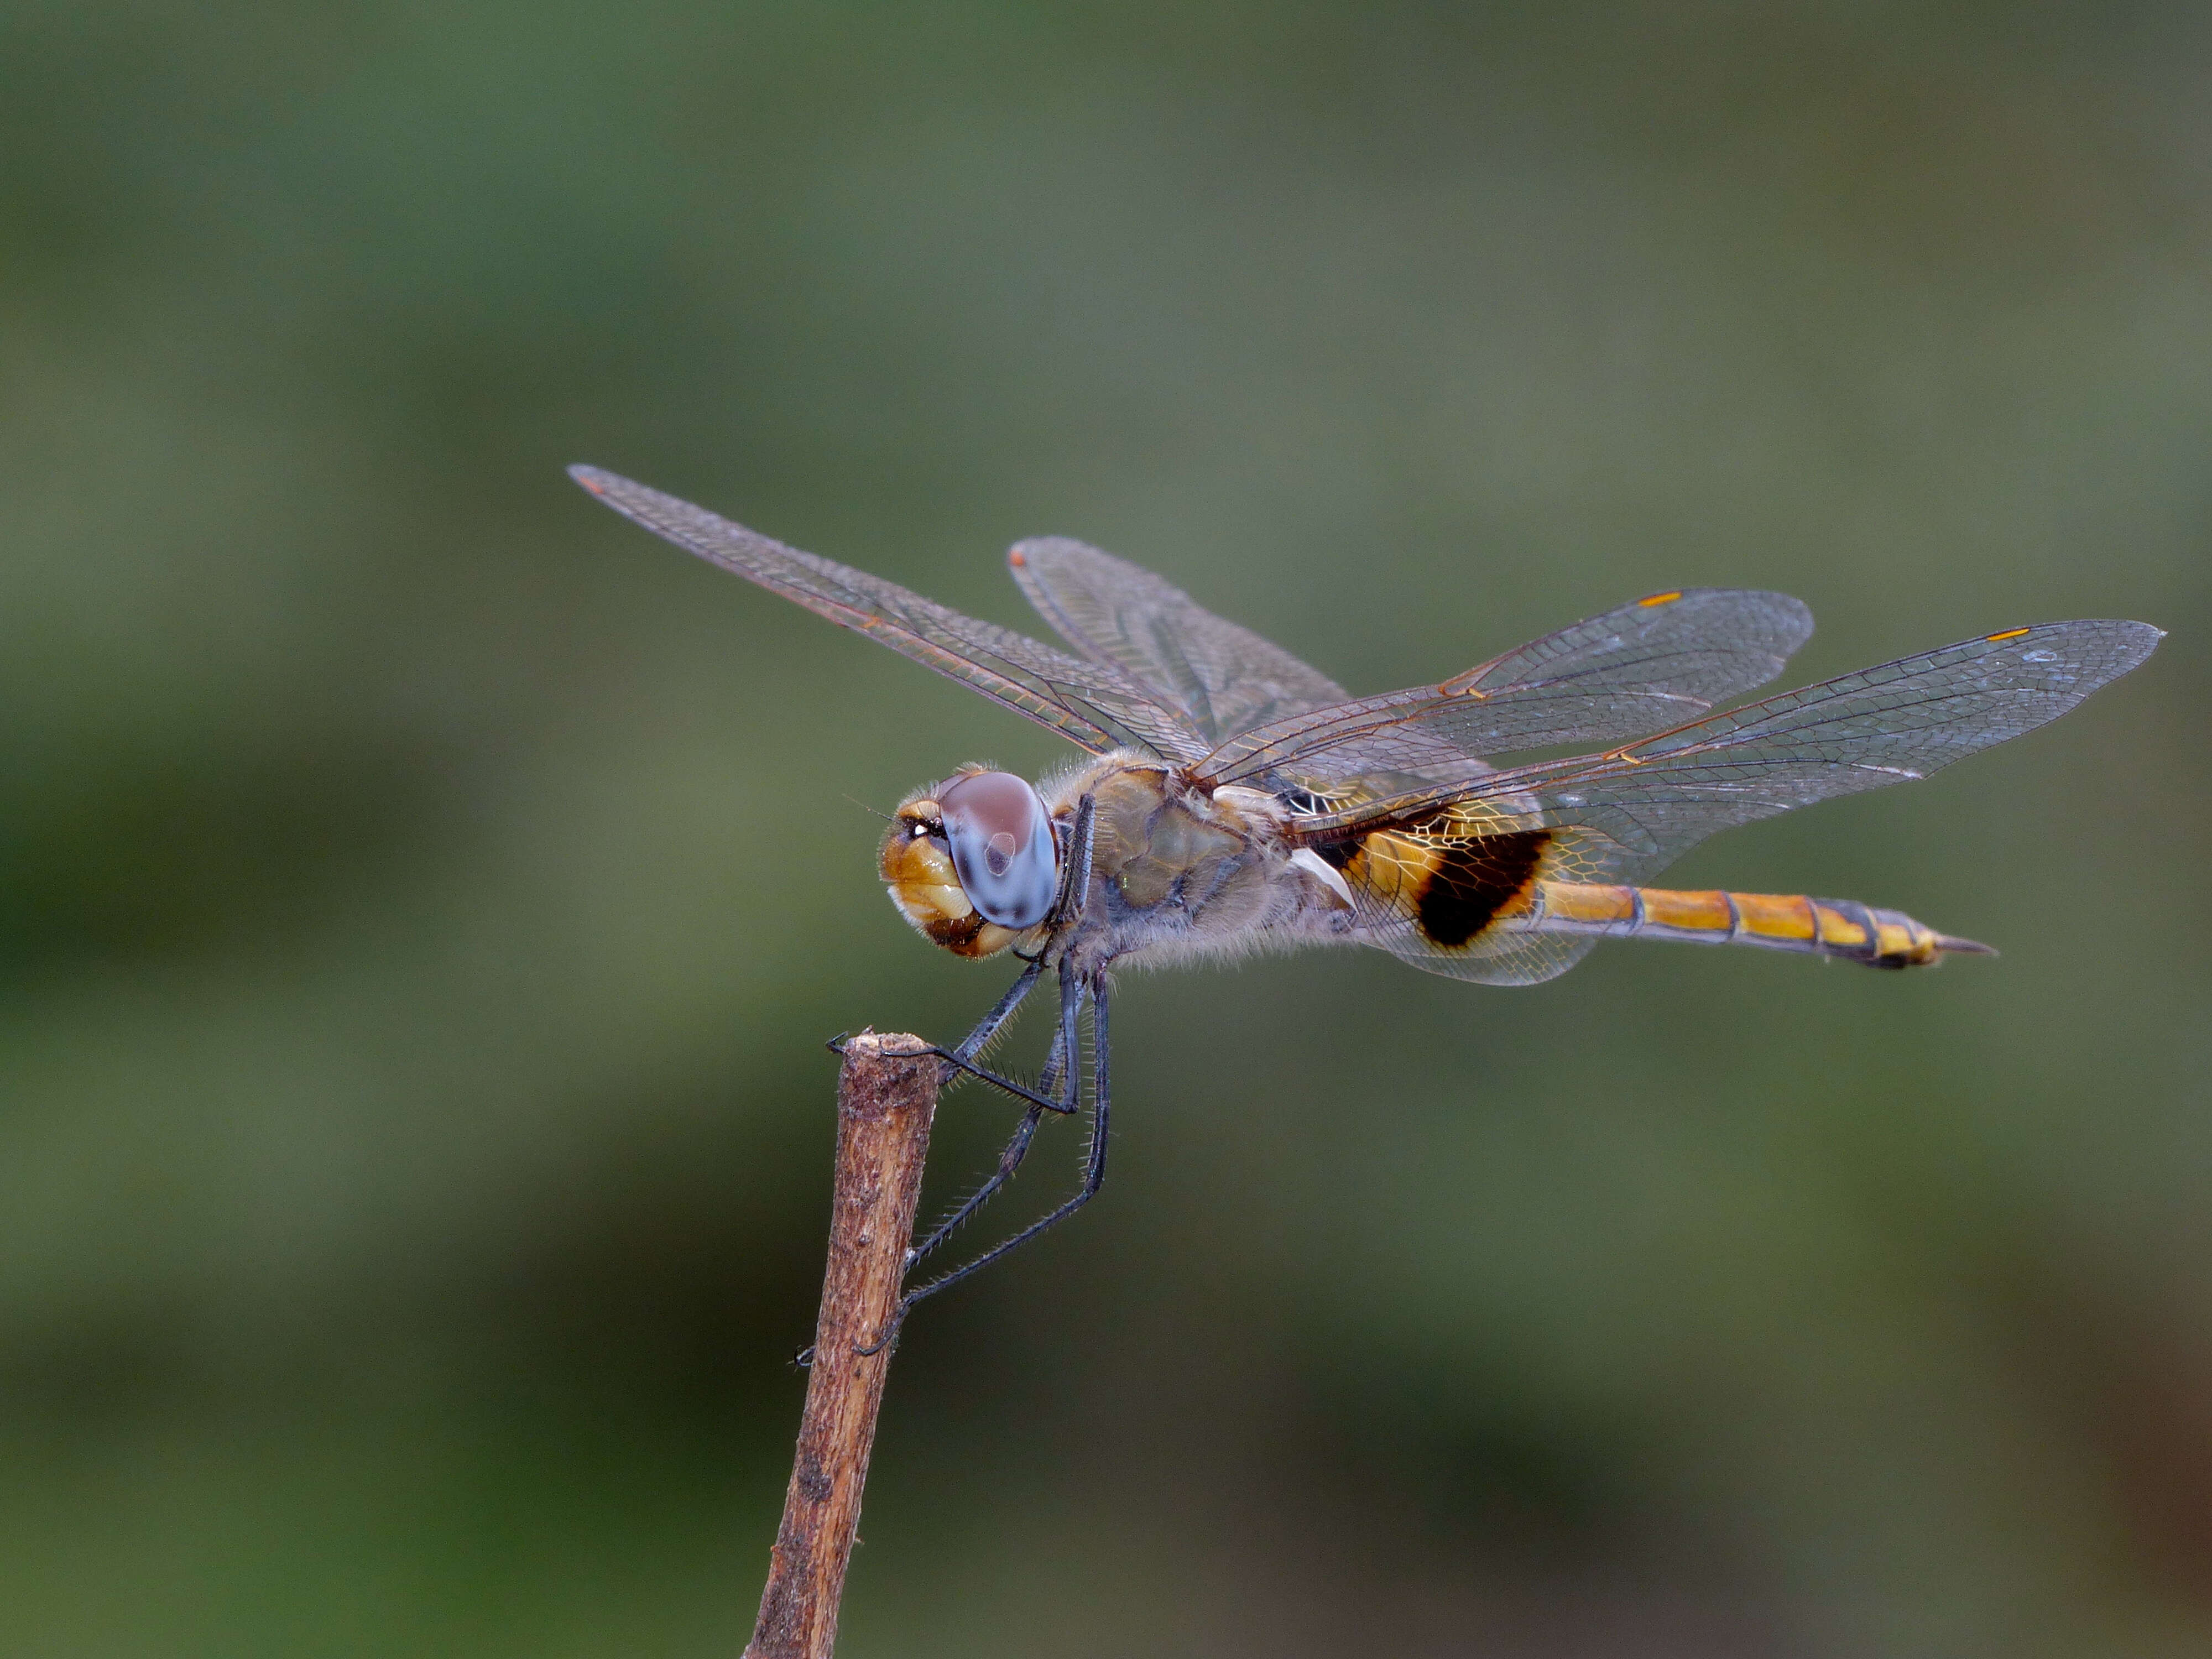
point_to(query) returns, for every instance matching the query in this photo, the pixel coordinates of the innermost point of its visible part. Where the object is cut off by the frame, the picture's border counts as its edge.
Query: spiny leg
(1075, 882)
(987, 1027)
(1094, 1176)
(1060, 1067)
(956, 1060)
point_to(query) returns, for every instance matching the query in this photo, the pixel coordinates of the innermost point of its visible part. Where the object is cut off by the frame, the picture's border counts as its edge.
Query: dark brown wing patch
(1446, 876)
(1476, 879)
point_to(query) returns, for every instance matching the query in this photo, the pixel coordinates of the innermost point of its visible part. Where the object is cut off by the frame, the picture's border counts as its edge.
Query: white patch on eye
(1324, 872)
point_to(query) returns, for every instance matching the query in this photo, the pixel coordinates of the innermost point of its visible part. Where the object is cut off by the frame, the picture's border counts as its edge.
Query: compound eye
(1001, 845)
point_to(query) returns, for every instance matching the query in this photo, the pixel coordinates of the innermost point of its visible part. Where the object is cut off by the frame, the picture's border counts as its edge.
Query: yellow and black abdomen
(1479, 893)
(1818, 926)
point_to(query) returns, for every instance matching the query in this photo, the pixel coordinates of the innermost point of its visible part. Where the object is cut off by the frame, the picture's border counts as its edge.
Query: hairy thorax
(1177, 872)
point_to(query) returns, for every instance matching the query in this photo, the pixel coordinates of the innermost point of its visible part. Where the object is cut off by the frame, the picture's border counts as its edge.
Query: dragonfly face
(1236, 798)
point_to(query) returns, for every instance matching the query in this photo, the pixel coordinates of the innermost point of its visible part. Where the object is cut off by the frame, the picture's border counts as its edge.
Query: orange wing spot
(1663, 598)
(593, 485)
(2013, 633)
(1702, 913)
(1835, 927)
(1018, 559)
(1771, 916)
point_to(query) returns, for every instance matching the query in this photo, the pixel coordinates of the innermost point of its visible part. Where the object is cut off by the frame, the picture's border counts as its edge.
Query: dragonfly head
(972, 862)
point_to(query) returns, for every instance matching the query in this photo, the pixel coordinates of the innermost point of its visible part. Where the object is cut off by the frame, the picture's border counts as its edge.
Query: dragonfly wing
(1224, 679)
(1095, 704)
(1892, 723)
(1642, 667)
(1441, 876)
(1407, 909)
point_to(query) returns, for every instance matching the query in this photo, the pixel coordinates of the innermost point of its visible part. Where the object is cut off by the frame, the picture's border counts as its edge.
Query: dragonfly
(1232, 799)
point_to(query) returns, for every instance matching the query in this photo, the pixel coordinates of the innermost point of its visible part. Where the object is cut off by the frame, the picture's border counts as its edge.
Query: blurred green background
(423, 896)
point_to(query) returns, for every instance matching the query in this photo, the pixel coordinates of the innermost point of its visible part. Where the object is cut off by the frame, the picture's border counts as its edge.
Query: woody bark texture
(887, 1097)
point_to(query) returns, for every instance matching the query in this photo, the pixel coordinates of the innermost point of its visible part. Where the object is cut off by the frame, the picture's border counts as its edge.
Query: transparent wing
(1222, 679)
(1461, 870)
(1646, 666)
(1623, 816)
(1093, 704)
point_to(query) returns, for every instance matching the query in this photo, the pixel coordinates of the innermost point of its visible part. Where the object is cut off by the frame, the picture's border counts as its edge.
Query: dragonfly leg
(1075, 879)
(960, 1058)
(1060, 1069)
(987, 1029)
(1038, 1101)
(1094, 1176)
(956, 1060)
(1075, 882)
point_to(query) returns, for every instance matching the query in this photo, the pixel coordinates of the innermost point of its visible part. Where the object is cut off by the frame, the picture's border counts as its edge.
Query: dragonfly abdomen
(1774, 921)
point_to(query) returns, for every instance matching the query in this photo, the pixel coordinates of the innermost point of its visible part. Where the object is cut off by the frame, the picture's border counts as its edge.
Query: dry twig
(886, 1097)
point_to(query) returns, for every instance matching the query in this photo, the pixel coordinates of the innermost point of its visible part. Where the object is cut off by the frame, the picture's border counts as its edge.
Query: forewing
(1644, 667)
(1623, 816)
(1224, 679)
(1093, 704)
